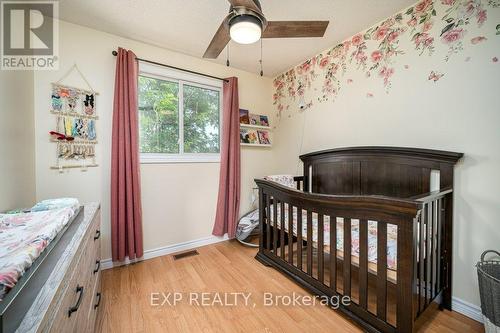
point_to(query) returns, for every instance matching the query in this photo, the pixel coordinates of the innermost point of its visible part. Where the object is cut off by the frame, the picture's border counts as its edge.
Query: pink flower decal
(392, 36)
(427, 26)
(422, 6)
(453, 35)
(356, 40)
(421, 38)
(412, 22)
(347, 46)
(376, 56)
(389, 22)
(324, 62)
(481, 17)
(380, 33)
(478, 39)
(361, 56)
(386, 73)
(304, 68)
(372, 52)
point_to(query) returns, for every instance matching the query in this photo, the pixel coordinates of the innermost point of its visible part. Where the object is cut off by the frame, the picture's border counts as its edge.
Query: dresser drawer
(74, 313)
(95, 305)
(95, 228)
(76, 293)
(92, 275)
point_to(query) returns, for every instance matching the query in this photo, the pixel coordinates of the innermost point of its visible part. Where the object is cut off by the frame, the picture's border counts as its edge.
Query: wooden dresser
(69, 300)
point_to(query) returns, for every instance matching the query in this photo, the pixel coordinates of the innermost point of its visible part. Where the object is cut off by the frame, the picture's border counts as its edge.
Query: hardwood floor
(226, 267)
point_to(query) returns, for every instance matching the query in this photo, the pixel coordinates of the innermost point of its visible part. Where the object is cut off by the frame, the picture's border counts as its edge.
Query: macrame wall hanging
(75, 133)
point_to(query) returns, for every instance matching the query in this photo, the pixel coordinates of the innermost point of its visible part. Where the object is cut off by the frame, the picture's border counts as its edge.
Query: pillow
(285, 180)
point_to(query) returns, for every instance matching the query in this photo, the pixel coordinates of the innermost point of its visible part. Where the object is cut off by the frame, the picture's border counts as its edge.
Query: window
(179, 116)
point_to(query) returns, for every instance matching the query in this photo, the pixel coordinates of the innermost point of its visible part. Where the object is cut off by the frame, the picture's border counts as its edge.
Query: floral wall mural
(426, 77)
(449, 25)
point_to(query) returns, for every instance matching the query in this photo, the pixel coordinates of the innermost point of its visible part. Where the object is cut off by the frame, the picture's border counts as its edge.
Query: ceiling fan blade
(219, 42)
(246, 3)
(290, 29)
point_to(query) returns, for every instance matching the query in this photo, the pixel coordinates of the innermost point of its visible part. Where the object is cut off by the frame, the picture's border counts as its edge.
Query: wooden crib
(380, 199)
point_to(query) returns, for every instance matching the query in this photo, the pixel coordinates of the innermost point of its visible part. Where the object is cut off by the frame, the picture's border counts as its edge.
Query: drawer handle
(97, 234)
(98, 300)
(79, 289)
(98, 266)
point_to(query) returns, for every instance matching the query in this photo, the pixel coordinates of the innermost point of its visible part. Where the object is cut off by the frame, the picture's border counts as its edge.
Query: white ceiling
(187, 26)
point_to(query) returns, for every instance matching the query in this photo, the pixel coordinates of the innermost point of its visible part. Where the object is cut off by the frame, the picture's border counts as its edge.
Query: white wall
(17, 150)
(178, 199)
(459, 112)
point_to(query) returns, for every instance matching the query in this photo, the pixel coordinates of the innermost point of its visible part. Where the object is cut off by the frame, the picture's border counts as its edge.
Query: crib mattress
(24, 236)
(372, 239)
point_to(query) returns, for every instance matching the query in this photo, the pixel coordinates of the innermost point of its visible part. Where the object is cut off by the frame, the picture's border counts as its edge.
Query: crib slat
(320, 248)
(282, 231)
(347, 257)
(333, 253)
(433, 252)
(309, 243)
(262, 200)
(428, 252)
(290, 234)
(275, 226)
(421, 240)
(436, 253)
(416, 297)
(439, 226)
(381, 270)
(363, 263)
(268, 223)
(299, 238)
(405, 285)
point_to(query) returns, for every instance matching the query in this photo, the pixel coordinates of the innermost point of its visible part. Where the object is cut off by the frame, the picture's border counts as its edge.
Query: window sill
(175, 158)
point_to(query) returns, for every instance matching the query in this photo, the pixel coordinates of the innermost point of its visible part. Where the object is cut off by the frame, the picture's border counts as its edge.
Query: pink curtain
(126, 213)
(228, 202)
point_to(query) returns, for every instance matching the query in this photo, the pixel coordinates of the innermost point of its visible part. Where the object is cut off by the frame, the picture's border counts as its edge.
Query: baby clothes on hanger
(91, 130)
(68, 126)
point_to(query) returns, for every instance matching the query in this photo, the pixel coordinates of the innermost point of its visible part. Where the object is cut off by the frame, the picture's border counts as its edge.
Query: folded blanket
(56, 204)
(285, 180)
(24, 236)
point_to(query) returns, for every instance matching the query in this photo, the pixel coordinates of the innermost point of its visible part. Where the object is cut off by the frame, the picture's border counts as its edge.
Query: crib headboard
(390, 171)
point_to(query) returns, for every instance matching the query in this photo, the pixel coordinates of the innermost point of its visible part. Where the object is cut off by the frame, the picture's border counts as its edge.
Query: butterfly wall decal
(434, 76)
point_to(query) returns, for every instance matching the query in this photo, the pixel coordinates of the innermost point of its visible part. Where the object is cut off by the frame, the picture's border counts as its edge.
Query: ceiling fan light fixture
(245, 29)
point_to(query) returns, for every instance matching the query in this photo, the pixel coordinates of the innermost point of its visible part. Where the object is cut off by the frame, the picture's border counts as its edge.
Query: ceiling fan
(246, 24)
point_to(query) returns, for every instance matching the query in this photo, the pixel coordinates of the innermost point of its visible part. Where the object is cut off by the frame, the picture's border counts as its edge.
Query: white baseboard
(467, 309)
(161, 251)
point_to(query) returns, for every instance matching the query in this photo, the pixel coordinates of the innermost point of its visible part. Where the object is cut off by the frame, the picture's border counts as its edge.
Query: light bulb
(245, 30)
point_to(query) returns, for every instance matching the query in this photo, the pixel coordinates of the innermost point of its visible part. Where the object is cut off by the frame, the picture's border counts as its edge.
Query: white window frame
(180, 77)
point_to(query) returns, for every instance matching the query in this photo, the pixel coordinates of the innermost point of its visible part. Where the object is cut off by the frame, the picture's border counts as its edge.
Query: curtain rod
(173, 67)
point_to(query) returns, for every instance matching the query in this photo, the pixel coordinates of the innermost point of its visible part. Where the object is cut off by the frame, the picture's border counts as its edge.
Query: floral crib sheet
(372, 234)
(24, 236)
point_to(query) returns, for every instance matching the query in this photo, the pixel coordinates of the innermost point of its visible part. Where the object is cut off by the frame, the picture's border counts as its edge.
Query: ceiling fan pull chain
(261, 71)
(227, 55)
